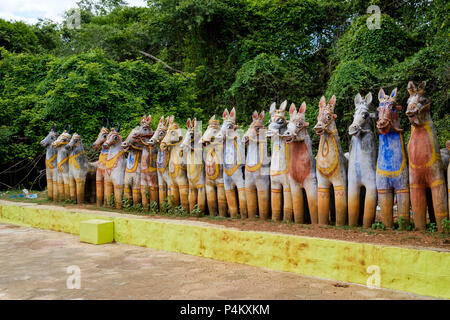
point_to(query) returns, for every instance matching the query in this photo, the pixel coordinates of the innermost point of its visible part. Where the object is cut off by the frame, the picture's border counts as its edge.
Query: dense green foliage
(231, 53)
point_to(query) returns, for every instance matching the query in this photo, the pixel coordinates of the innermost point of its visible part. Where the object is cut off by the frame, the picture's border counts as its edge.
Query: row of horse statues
(215, 172)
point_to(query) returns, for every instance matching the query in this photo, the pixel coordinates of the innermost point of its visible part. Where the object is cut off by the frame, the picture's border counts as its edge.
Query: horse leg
(211, 197)
(340, 196)
(136, 190)
(201, 199)
(242, 202)
(354, 192)
(252, 198)
(263, 199)
(403, 206)
(174, 194)
(311, 193)
(298, 203)
(154, 193)
(386, 200)
(49, 185)
(81, 184)
(287, 203)
(145, 194)
(193, 194)
(276, 201)
(323, 204)
(67, 186)
(222, 199)
(419, 206)
(127, 188)
(55, 189)
(370, 206)
(108, 191)
(231, 200)
(118, 193)
(99, 186)
(184, 196)
(73, 189)
(439, 195)
(162, 192)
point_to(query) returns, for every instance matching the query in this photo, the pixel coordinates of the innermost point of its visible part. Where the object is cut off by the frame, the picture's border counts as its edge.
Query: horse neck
(114, 150)
(50, 152)
(231, 146)
(77, 149)
(62, 153)
(386, 140)
(254, 148)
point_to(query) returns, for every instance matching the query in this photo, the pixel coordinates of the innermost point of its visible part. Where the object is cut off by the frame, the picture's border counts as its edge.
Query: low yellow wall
(424, 272)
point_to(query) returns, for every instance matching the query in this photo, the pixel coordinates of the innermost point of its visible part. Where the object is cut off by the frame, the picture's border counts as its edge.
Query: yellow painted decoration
(231, 171)
(287, 151)
(424, 272)
(193, 168)
(102, 158)
(135, 165)
(110, 163)
(260, 162)
(48, 162)
(402, 166)
(212, 153)
(73, 159)
(323, 165)
(61, 163)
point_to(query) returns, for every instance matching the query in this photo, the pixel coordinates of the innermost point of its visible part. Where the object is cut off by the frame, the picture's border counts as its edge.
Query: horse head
(277, 121)
(256, 128)
(160, 132)
(296, 129)
(50, 138)
(173, 136)
(418, 104)
(388, 119)
(326, 115)
(361, 118)
(213, 133)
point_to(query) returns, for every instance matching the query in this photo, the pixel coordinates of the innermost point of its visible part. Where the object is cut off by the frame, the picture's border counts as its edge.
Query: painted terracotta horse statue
(162, 162)
(50, 163)
(132, 179)
(392, 164)
(101, 163)
(330, 164)
(213, 141)
(257, 166)
(279, 165)
(426, 169)
(81, 172)
(233, 165)
(114, 167)
(302, 166)
(62, 164)
(179, 187)
(362, 164)
(195, 166)
(149, 177)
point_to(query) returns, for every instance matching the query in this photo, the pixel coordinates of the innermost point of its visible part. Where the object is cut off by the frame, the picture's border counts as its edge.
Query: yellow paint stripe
(425, 272)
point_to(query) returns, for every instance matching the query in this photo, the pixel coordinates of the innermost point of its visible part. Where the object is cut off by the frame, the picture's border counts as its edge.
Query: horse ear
(225, 114)
(213, 118)
(422, 86)
(272, 108)
(302, 108)
(381, 94)
(188, 123)
(166, 122)
(144, 119)
(322, 102)
(292, 110)
(149, 118)
(161, 120)
(394, 93)
(358, 99)
(262, 115)
(283, 106)
(233, 114)
(118, 127)
(68, 131)
(255, 115)
(194, 122)
(332, 102)
(107, 123)
(171, 119)
(368, 98)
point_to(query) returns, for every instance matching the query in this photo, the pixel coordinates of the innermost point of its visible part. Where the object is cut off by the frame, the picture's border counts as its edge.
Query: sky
(29, 11)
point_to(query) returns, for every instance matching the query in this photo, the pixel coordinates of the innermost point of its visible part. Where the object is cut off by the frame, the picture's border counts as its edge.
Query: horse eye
(365, 115)
(115, 138)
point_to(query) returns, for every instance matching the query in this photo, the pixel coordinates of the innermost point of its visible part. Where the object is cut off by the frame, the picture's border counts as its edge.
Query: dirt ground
(410, 239)
(34, 265)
